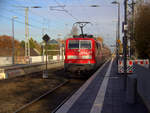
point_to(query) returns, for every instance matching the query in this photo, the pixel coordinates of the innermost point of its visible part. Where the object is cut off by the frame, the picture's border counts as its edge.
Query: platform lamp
(45, 38)
(118, 37)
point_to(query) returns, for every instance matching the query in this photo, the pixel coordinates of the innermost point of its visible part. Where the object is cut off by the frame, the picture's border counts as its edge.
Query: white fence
(33, 59)
(58, 57)
(36, 59)
(5, 61)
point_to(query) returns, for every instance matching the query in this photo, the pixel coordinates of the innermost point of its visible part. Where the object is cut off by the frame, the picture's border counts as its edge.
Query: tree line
(142, 31)
(6, 44)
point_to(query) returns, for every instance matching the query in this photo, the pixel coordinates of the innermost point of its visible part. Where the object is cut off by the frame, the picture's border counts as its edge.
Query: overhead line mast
(27, 45)
(125, 42)
(27, 41)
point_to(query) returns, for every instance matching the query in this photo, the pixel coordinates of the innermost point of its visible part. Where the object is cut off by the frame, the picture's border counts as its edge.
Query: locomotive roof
(83, 36)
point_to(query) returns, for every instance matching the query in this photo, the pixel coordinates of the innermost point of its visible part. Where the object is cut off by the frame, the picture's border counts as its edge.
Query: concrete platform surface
(102, 93)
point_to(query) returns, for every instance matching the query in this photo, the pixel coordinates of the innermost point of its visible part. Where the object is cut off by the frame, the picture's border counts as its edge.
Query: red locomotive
(83, 54)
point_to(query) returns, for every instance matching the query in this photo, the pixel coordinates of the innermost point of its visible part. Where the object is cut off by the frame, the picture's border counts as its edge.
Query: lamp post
(27, 41)
(118, 36)
(94, 5)
(116, 22)
(13, 42)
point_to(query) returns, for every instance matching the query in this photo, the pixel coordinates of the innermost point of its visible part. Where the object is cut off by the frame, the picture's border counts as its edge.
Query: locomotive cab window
(85, 44)
(79, 44)
(73, 44)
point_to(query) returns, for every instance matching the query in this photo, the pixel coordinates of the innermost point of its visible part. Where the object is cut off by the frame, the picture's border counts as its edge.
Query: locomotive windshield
(85, 44)
(79, 44)
(73, 44)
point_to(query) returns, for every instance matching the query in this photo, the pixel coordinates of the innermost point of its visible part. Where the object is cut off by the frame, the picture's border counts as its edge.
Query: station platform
(12, 71)
(102, 93)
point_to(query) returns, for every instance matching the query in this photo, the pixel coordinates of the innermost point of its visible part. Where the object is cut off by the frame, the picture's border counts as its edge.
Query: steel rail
(37, 99)
(54, 110)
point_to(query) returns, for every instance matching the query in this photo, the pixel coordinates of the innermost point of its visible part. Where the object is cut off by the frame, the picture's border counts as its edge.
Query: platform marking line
(98, 103)
(68, 104)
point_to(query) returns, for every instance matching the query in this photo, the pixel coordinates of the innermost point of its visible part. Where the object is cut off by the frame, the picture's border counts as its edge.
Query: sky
(57, 24)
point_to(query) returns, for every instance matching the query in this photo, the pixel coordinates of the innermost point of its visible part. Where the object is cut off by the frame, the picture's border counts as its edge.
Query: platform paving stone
(86, 100)
(115, 97)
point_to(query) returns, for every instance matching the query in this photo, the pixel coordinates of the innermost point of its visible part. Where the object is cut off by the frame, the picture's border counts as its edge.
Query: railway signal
(46, 38)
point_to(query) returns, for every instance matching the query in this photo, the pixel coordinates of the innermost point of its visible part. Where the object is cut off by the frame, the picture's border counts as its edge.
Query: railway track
(26, 106)
(50, 101)
(30, 94)
(55, 109)
(26, 98)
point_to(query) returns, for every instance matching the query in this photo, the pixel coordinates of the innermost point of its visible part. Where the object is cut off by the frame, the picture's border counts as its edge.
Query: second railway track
(32, 94)
(26, 106)
(47, 102)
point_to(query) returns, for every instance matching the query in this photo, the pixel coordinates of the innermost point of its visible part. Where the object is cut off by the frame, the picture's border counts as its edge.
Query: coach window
(73, 44)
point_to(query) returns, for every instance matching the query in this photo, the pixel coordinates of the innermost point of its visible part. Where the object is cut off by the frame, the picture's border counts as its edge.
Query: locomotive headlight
(72, 57)
(79, 57)
(87, 57)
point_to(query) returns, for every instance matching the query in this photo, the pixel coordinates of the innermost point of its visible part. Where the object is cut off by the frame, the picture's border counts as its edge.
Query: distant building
(53, 41)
